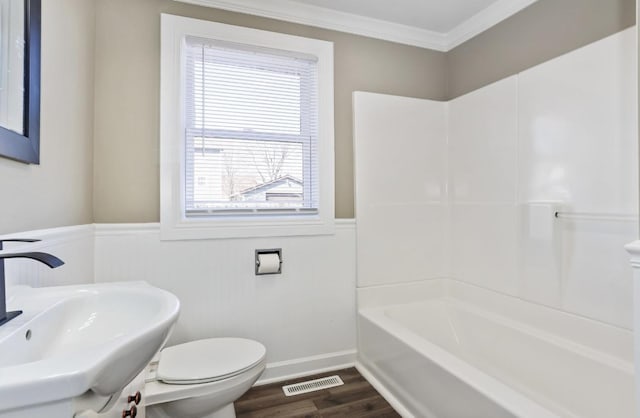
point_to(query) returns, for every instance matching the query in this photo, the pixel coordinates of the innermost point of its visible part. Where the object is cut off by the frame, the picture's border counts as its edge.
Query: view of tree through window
(234, 171)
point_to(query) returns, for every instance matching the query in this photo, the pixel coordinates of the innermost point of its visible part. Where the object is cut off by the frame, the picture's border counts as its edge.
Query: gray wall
(126, 184)
(107, 170)
(542, 31)
(58, 192)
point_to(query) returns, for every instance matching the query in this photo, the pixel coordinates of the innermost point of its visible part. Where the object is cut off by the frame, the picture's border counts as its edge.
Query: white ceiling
(435, 24)
(432, 15)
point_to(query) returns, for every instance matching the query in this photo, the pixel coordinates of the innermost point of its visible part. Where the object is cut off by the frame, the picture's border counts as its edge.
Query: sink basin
(74, 339)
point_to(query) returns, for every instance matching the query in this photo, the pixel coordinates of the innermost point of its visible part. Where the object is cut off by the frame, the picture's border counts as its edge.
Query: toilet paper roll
(269, 263)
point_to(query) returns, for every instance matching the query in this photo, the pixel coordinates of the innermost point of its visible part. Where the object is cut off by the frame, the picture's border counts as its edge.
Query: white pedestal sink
(74, 340)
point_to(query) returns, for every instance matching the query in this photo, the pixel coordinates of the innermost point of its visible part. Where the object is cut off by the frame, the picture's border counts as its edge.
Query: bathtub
(442, 348)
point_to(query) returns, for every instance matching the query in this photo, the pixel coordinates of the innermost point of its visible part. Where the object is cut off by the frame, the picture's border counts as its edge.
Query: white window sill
(194, 229)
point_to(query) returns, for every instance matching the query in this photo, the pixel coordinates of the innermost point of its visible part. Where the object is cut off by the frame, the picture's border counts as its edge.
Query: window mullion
(245, 135)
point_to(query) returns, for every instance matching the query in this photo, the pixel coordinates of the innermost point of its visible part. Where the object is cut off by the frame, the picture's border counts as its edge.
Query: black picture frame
(25, 147)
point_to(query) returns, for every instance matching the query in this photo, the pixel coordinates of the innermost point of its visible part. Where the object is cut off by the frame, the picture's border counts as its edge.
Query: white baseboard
(382, 390)
(306, 366)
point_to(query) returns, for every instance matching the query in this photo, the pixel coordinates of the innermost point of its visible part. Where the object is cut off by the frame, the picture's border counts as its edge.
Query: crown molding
(482, 21)
(291, 11)
(330, 19)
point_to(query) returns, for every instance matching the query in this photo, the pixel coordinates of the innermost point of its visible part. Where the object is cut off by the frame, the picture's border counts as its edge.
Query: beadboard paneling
(307, 311)
(73, 245)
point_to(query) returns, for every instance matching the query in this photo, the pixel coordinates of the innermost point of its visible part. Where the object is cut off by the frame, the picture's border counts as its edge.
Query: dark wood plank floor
(355, 399)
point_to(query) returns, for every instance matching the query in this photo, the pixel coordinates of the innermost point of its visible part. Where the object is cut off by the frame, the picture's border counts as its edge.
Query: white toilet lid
(204, 361)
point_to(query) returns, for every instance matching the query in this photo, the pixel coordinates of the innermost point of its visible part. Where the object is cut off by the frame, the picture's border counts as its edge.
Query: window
(251, 129)
(246, 132)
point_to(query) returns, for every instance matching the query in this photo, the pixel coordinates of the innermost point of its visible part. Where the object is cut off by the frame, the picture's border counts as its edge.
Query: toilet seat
(208, 360)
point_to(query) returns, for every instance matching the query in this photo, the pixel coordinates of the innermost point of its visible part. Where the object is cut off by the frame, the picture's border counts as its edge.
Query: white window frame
(173, 222)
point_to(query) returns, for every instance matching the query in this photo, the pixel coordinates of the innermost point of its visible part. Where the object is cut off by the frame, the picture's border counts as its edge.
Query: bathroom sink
(74, 339)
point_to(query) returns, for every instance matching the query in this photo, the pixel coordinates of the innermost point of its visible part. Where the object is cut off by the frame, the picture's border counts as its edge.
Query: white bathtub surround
(400, 165)
(504, 356)
(578, 144)
(476, 197)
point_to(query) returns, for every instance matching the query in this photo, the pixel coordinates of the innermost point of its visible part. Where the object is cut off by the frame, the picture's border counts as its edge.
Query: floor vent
(312, 385)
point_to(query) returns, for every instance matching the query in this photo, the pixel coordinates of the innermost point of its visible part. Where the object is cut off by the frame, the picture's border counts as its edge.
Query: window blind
(251, 130)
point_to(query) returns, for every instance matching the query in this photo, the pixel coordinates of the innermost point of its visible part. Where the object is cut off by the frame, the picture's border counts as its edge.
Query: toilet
(202, 379)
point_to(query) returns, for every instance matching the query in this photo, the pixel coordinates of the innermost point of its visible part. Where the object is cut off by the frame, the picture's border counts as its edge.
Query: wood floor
(355, 399)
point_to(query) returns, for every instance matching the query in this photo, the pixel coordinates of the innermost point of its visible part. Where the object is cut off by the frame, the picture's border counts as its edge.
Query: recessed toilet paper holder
(276, 251)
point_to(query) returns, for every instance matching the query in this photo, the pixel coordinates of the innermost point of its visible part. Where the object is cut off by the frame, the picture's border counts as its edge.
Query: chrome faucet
(44, 258)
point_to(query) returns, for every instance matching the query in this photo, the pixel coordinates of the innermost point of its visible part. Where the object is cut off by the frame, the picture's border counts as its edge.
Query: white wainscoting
(305, 316)
(73, 245)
